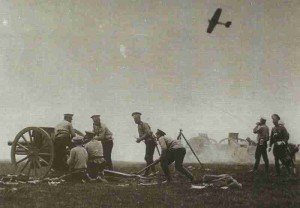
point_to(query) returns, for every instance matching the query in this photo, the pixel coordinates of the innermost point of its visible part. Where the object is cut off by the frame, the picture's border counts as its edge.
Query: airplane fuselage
(216, 22)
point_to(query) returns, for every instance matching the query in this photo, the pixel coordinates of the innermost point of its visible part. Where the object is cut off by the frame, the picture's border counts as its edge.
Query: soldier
(279, 137)
(77, 161)
(103, 134)
(146, 135)
(250, 142)
(171, 150)
(262, 131)
(96, 162)
(63, 134)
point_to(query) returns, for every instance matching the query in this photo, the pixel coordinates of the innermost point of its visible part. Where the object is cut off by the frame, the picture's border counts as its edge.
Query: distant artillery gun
(230, 149)
(32, 151)
(200, 143)
(240, 141)
(239, 148)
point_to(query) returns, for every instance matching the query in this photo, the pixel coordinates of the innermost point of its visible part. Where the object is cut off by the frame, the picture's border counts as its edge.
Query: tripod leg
(179, 135)
(192, 150)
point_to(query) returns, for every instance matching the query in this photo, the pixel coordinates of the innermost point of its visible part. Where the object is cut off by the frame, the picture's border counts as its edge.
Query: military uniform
(172, 150)
(146, 134)
(262, 132)
(96, 162)
(77, 161)
(279, 137)
(104, 135)
(64, 131)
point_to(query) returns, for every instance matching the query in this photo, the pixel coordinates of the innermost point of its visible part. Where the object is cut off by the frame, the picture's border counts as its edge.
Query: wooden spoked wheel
(32, 152)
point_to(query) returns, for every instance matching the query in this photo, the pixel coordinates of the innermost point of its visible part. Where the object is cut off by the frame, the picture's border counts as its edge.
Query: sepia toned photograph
(149, 103)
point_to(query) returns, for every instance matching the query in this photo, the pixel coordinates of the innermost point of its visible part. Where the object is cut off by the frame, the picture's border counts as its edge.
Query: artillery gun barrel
(10, 143)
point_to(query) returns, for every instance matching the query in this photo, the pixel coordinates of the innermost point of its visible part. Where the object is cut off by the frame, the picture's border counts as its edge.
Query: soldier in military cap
(77, 161)
(63, 134)
(146, 135)
(96, 162)
(171, 150)
(103, 134)
(262, 131)
(279, 137)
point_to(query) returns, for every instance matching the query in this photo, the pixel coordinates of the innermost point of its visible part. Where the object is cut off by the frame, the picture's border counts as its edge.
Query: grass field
(257, 191)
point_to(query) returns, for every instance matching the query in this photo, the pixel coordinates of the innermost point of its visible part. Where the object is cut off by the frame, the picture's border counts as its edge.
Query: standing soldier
(172, 150)
(103, 134)
(146, 135)
(279, 137)
(63, 134)
(262, 131)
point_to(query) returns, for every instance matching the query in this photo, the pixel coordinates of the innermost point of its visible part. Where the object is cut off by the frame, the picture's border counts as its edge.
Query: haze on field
(115, 57)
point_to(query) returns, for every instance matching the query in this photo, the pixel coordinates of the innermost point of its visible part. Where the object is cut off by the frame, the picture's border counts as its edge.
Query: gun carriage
(32, 151)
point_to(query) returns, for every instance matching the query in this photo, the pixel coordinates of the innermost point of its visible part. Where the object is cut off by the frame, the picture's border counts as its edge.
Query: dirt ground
(257, 191)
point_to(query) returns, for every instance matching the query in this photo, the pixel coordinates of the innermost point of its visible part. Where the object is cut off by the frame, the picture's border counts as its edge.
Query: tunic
(102, 133)
(262, 132)
(168, 143)
(95, 151)
(63, 129)
(78, 158)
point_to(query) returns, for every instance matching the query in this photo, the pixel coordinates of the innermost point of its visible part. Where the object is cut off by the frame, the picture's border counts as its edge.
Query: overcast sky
(115, 57)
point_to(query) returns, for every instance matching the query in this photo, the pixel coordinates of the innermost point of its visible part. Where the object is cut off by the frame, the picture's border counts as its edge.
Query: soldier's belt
(279, 143)
(62, 135)
(95, 157)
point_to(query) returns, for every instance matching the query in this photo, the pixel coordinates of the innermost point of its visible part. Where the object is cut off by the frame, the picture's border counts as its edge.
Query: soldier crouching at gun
(279, 137)
(171, 150)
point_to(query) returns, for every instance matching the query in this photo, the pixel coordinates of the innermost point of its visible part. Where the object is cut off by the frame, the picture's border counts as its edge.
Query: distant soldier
(103, 134)
(171, 150)
(293, 149)
(77, 161)
(250, 142)
(262, 131)
(63, 134)
(96, 162)
(279, 137)
(146, 135)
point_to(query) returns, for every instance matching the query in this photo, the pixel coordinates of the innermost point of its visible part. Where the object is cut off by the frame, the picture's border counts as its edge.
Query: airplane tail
(227, 24)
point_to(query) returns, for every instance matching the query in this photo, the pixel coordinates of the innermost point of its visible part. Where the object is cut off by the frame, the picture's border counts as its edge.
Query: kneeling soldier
(78, 160)
(171, 150)
(96, 162)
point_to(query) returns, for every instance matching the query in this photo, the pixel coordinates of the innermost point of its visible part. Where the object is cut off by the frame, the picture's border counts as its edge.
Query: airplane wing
(211, 26)
(216, 15)
(214, 20)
